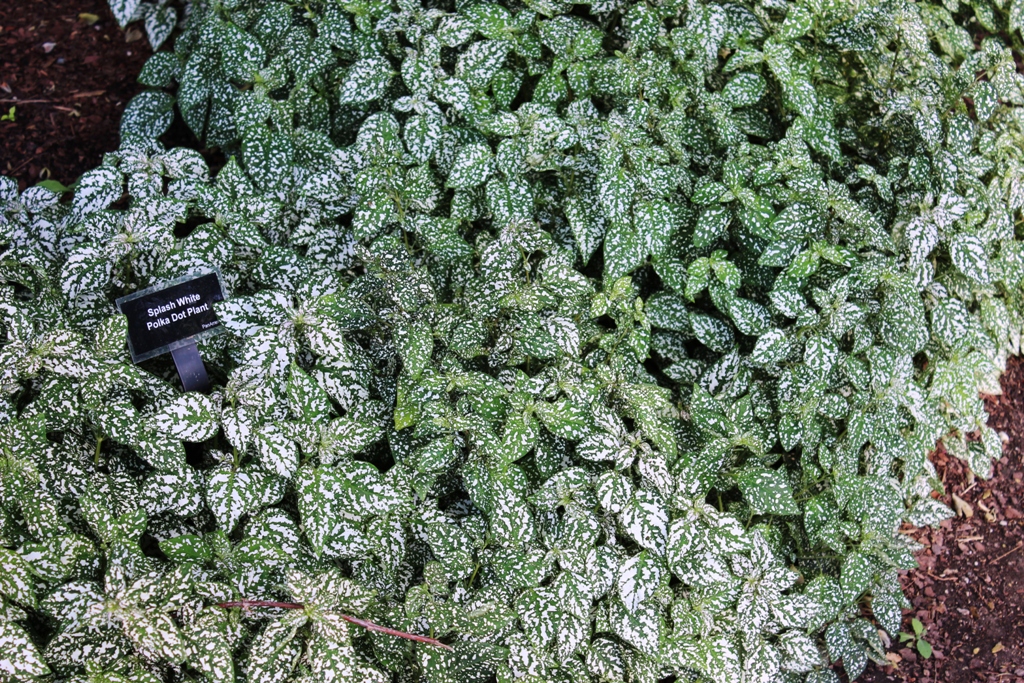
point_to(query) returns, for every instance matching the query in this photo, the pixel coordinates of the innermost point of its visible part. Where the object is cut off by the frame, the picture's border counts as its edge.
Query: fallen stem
(23, 164)
(368, 625)
(1009, 552)
(245, 604)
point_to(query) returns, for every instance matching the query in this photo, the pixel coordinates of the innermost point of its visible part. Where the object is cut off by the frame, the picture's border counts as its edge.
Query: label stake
(190, 367)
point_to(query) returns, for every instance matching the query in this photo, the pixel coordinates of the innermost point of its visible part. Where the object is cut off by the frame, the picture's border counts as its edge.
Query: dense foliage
(603, 342)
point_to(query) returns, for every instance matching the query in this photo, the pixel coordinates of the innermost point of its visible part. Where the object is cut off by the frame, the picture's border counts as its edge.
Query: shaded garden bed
(69, 76)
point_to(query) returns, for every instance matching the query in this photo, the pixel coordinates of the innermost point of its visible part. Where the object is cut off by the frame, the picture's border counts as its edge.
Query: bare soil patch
(69, 71)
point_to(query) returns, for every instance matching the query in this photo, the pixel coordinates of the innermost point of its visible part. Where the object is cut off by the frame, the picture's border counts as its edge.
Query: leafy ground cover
(596, 344)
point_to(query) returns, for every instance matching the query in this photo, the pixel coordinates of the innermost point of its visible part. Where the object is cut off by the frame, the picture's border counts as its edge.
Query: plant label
(169, 317)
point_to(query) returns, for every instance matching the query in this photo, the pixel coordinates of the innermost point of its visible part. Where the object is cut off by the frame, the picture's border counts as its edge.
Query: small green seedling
(9, 116)
(917, 637)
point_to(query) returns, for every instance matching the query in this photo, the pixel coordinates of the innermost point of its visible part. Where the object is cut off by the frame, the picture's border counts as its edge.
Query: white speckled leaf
(275, 651)
(472, 166)
(97, 189)
(190, 417)
(124, 11)
(767, 491)
(968, 255)
(761, 664)
(154, 634)
(366, 80)
(639, 577)
(16, 580)
(233, 493)
(18, 654)
(278, 453)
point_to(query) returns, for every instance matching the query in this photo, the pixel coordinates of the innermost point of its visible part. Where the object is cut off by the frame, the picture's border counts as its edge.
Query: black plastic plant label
(171, 315)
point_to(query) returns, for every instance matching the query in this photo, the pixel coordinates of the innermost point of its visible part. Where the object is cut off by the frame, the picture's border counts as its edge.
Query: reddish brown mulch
(69, 82)
(969, 589)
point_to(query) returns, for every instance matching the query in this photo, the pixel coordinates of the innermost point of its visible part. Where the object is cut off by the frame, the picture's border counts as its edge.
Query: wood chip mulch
(969, 589)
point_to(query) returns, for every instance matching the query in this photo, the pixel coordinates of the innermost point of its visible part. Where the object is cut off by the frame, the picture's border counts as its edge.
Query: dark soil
(969, 589)
(69, 82)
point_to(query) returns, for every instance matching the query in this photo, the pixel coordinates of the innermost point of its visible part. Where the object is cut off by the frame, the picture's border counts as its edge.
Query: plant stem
(368, 625)
(261, 603)
(96, 453)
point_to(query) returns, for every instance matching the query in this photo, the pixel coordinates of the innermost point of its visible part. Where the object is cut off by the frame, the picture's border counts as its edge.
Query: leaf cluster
(159, 17)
